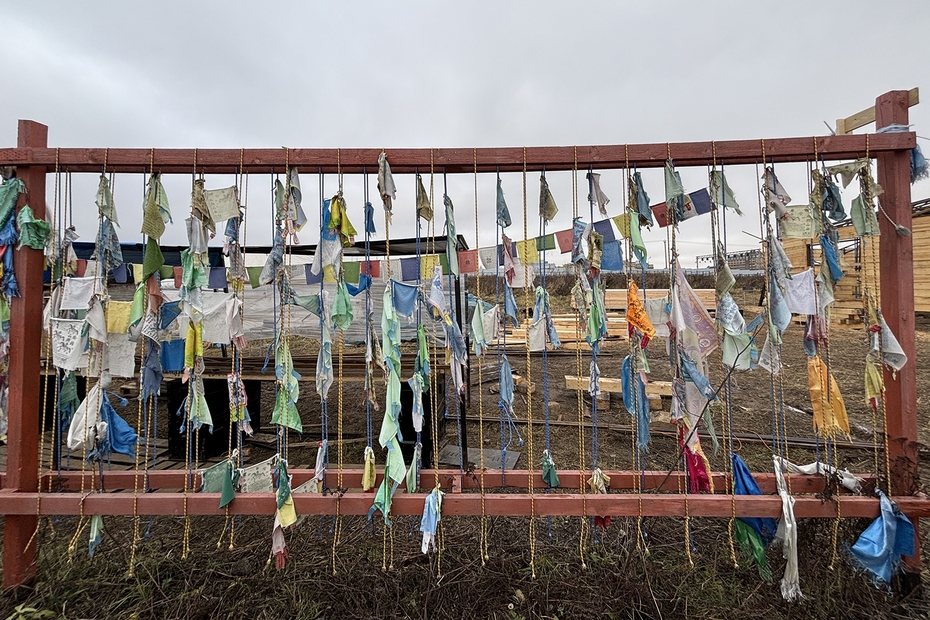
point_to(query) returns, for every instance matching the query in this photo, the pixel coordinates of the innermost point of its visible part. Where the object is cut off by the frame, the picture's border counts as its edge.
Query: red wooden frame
(19, 499)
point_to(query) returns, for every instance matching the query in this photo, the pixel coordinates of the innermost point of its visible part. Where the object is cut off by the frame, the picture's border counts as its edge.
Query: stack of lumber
(655, 390)
(565, 326)
(616, 298)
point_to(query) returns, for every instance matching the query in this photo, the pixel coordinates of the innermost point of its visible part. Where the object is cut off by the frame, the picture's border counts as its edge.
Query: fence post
(896, 255)
(25, 350)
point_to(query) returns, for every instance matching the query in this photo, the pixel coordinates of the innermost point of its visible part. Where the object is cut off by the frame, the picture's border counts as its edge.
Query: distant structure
(750, 260)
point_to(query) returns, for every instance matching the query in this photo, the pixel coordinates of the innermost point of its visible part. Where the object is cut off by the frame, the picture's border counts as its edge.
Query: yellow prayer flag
(526, 251)
(427, 263)
(622, 222)
(118, 316)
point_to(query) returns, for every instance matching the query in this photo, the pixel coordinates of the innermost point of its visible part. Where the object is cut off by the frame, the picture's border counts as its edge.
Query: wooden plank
(172, 477)
(897, 266)
(25, 334)
(614, 386)
(845, 126)
(495, 504)
(458, 160)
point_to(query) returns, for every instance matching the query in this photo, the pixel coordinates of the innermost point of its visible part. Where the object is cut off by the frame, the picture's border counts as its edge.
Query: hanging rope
(483, 539)
(579, 400)
(531, 461)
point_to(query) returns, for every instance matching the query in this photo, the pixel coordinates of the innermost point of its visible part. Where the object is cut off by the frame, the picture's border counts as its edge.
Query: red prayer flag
(371, 268)
(468, 261)
(564, 239)
(178, 273)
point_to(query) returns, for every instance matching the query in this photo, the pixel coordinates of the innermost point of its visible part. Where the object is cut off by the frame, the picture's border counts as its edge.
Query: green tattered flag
(68, 399)
(424, 208)
(156, 212)
(751, 545)
(720, 192)
(549, 474)
(32, 232)
(725, 279)
(452, 254)
(228, 493)
(351, 271)
(254, 274)
(863, 218)
(545, 242)
(153, 259)
(412, 471)
(137, 310)
(9, 192)
(342, 306)
(547, 206)
(105, 200)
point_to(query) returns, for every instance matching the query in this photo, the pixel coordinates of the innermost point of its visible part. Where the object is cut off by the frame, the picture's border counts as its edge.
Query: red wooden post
(25, 344)
(896, 254)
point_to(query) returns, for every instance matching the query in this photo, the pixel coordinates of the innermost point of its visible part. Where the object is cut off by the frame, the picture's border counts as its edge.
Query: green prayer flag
(138, 304)
(342, 306)
(351, 271)
(4, 310)
(166, 272)
(105, 200)
(155, 213)
(549, 474)
(545, 242)
(412, 471)
(9, 192)
(231, 477)
(451, 253)
(284, 484)
(863, 218)
(32, 232)
(444, 263)
(152, 260)
(68, 399)
(424, 208)
(751, 545)
(254, 274)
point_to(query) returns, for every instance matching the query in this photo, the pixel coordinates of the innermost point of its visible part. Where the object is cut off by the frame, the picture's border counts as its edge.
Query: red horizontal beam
(507, 159)
(495, 504)
(352, 478)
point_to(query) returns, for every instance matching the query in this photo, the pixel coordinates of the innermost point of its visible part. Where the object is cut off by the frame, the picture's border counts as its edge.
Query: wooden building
(854, 256)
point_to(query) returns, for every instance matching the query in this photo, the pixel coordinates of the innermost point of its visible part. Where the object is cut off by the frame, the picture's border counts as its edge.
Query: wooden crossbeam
(845, 126)
(494, 504)
(456, 160)
(352, 479)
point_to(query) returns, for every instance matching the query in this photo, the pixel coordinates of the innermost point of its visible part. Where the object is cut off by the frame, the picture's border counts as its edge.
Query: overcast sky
(452, 74)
